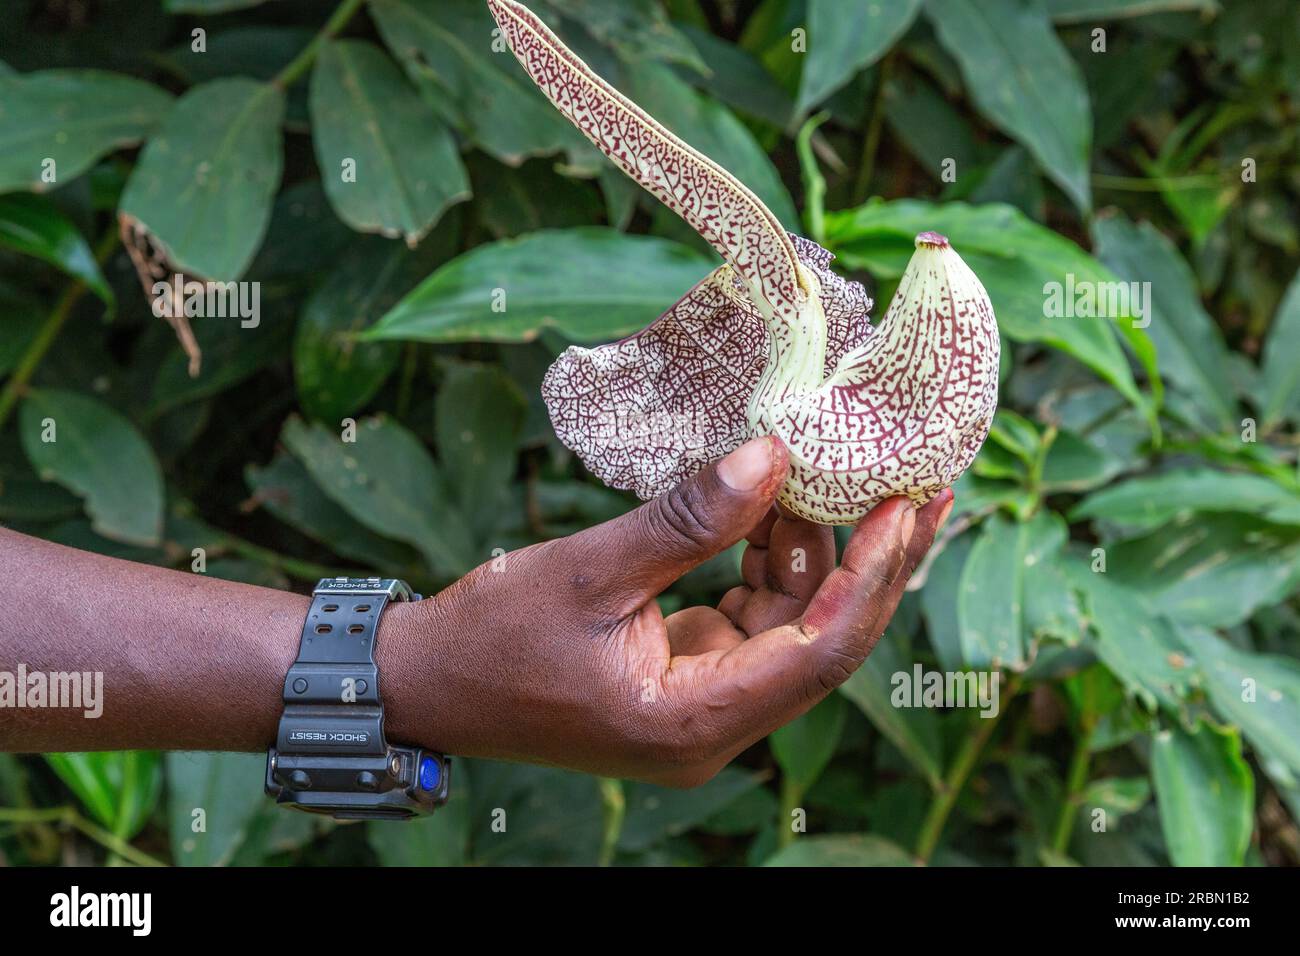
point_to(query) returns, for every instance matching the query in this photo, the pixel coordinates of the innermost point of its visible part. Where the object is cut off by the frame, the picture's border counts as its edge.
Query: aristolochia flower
(772, 342)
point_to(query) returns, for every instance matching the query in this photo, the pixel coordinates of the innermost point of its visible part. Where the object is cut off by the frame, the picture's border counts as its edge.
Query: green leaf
(1075, 464)
(636, 29)
(1206, 795)
(388, 164)
(1017, 260)
(1118, 796)
(99, 455)
(479, 412)
(510, 291)
(1281, 370)
(208, 7)
(914, 731)
(655, 813)
(806, 745)
(939, 601)
(1023, 80)
(842, 850)
(388, 482)
(1149, 501)
(72, 117)
(713, 130)
(1142, 649)
(204, 183)
(1193, 357)
(991, 601)
(285, 488)
(738, 79)
(440, 839)
(335, 374)
(445, 46)
(120, 789)
(534, 816)
(1090, 11)
(1216, 571)
(35, 227)
(845, 36)
(213, 800)
(1260, 693)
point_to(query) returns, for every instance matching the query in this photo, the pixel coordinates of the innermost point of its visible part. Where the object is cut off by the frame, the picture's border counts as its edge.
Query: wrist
(416, 703)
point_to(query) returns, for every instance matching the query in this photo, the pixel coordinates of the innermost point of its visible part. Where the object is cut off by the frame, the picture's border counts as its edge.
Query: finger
(773, 677)
(800, 556)
(733, 602)
(699, 630)
(649, 548)
(928, 522)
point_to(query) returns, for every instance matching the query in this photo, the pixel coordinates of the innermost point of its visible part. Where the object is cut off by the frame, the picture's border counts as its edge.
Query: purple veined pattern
(712, 201)
(773, 342)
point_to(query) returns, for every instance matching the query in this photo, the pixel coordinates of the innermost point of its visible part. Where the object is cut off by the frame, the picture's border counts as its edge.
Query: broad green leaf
(1149, 501)
(991, 600)
(737, 78)
(1118, 796)
(513, 202)
(1216, 570)
(1260, 693)
(96, 453)
(1076, 464)
(1018, 261)
(657, 813)
(914, 731)
(711, 129)
(510, 291)
(233, 348)
(213, 800)
(532, 816)
(204, 183)
(1281, 370)
(440, 839)
(285, 488)
(1021, 78)
(842, 850)
(335, 374)
(1142, 649)
(445, 46)
(806, 745)
(119, 788)
(636, 29)
(35, 227)
(70, 117)
(479, 411)
(845, 36)
(388, 164)
(389, 482)
(1193, 357)
(1206, 795)
(930, 127)
(1090, 11)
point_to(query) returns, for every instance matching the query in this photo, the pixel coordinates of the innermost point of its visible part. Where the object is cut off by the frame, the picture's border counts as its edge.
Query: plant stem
(813, 181)
(69, 817)
(953, 782)
(48, 332)
(791, 797)
(614, 802)
(300, 64)
(867, 167)
(1075, 781)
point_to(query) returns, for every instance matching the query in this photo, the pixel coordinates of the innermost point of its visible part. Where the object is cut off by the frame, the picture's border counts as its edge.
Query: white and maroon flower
(771, 342)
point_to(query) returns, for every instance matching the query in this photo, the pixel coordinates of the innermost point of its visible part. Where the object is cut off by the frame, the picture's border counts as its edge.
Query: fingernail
(907, 523)
(748, 466)
(943, 515)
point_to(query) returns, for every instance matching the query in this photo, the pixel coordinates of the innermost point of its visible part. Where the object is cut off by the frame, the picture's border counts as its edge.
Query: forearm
(187, 661)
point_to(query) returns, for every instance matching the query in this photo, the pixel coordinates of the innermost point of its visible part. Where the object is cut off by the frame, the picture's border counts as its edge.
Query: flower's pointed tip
(931, 240)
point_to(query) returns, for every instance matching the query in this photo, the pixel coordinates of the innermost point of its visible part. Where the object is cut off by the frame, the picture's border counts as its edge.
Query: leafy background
(1173, 450)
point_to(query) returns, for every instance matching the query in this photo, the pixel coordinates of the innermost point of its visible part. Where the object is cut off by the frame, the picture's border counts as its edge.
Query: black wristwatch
(330, 755)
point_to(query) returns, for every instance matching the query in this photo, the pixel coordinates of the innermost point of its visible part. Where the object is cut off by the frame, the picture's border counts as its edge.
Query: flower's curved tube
(772, 342)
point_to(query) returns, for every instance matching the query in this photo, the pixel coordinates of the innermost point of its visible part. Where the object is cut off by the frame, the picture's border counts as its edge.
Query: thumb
(651, 547)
